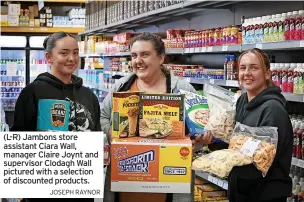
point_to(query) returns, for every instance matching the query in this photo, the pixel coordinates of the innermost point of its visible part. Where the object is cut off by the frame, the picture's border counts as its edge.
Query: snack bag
(220, 162)
(222, 111)
(258, 143)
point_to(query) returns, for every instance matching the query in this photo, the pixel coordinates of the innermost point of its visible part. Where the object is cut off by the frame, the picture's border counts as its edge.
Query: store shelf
(57, 1)
(284, 45)
(213, 49)
(294, 97)
(118, 54)
(297, 162)
(114, 73)
(215, 180)
(228, 83)
(41, 29)
(161, 15)
(172, 51)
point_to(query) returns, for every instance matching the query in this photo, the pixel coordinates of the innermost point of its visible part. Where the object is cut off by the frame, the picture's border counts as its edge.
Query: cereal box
(53, 115)
(161, 116)
(151, 165)
(125, 114)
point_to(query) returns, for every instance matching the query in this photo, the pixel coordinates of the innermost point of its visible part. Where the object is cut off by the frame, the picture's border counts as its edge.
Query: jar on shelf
(218, 36)
(234, 34)
(211, 37)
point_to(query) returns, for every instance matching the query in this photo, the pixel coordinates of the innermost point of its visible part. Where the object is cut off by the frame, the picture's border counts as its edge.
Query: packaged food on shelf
(257, 143)
(161, 116)
(220, 162)
(222, 111)
(197, 112)
(125, 111)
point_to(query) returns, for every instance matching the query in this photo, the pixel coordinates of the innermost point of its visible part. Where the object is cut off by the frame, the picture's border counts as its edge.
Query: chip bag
(220, 162)
(258, 143)
(221, 104)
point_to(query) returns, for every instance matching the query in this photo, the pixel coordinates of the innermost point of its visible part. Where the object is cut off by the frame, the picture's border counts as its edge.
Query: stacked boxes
(13, 15)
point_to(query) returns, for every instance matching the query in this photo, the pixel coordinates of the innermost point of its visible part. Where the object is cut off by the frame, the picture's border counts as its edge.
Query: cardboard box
(13, 9)
(4, 10)
(35, 10)
(4, 20)
(13, 20)
(151, 165)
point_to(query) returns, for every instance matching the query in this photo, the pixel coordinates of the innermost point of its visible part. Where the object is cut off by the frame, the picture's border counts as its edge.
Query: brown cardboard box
(35, 10)
(14, 9)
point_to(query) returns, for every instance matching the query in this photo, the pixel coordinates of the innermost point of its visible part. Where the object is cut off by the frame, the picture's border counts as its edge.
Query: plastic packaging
(197, 112)
(222, 111)
(220, 162)
(258, 143)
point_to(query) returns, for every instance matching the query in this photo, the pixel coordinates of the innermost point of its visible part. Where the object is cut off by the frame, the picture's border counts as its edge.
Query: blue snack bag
(53, 115)
(197, 113)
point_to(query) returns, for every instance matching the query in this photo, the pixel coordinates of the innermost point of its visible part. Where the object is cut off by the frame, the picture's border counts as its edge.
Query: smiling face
(64, 57)
(252, 73)
(145, 60)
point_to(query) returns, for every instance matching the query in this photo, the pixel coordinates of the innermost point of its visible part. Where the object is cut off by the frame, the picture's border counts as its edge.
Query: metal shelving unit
(215, 180)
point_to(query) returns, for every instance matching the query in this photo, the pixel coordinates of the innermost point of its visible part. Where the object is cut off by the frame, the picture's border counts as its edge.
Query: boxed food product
(151, 165)
(125, 114)
(258, 143)
(220, 162)
(161, 116)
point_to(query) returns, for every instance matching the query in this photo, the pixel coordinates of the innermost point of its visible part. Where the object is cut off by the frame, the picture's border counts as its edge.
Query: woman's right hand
(204, 139)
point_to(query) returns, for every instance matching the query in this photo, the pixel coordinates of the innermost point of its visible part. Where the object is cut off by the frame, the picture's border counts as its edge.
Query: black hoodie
(246, 183)
(84, 112)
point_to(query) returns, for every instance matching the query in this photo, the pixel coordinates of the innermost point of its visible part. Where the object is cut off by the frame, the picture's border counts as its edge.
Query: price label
(225, 186)
(210, 178)
(302, 43)
(11, 69)
(215, 180)
(197, 49)
(232, 83)
(300, 163)
(187, 50)
(220, 183)
(224, 48)
(192, 50)
(259, 46)
(204, 49)
(211, 81)
(209, 49)
(294, 161)
(250, 146)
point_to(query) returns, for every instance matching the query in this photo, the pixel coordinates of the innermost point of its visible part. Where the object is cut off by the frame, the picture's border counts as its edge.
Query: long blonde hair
(264, 60)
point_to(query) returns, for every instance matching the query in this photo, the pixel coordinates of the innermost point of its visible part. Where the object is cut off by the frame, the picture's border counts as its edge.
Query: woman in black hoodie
(262, 105)
(62, 54)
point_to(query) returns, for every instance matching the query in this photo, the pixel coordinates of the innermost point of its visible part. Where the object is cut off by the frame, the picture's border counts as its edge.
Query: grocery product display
(273, 28)
(23, 15)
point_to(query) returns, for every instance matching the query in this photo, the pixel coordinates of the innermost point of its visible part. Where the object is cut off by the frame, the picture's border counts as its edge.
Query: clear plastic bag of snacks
(222, 111)
(220, 162)
(258, 143)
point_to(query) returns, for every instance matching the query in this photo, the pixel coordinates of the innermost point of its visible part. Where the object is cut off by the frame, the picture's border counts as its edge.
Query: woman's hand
(205, 139)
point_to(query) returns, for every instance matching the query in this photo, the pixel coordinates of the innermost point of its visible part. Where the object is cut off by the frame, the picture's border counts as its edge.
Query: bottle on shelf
(292, 25)
(296, 78)
(301, 80)
(227, 58)
(271, 28)
(302, 25)
(287, 26)
(277, 19)
(285, 76)
(266, 29)
(298, 25)
(290, 78)
(299, 140)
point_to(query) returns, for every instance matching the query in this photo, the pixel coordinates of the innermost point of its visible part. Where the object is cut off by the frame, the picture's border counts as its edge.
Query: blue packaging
(53, 115)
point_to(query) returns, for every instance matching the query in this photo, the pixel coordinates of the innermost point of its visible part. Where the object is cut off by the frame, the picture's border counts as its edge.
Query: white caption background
(87, 142)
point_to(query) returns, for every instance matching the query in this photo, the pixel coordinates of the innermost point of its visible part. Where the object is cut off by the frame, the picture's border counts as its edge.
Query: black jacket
(84, 111)
(246, 183)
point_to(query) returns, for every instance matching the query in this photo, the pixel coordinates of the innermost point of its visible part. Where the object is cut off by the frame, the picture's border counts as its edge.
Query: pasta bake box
(161, 116)
(125, 114)
(151, 165)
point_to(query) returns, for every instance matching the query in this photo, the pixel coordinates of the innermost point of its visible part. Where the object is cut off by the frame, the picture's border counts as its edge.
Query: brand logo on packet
(196, 100)
(184, 152)
(138, 163)
(58, 112)
(127, 104)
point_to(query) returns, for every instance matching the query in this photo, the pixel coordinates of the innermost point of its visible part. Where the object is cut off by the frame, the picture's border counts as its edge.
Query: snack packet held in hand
(220, 162)
(197, 113)
(258, 143)
(222, 111)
